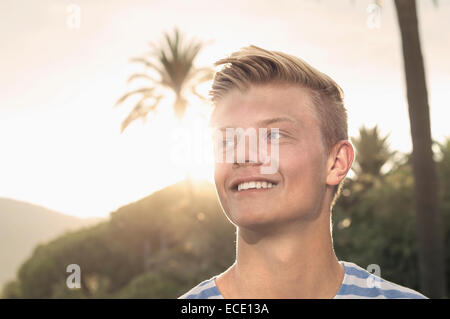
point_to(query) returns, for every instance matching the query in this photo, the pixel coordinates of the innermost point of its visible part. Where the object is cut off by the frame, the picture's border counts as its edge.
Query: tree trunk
(179, 106)
(431, 261)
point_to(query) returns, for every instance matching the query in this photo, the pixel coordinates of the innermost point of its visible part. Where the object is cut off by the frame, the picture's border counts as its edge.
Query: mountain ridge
(24, 225)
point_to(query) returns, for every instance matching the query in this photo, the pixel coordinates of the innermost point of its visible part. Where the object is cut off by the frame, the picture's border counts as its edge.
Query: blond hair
(253, 65)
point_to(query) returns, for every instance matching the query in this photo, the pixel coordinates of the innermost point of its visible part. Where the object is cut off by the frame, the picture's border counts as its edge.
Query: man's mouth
(254, 185)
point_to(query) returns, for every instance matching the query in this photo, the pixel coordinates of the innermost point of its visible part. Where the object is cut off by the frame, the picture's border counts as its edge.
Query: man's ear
(339, 162)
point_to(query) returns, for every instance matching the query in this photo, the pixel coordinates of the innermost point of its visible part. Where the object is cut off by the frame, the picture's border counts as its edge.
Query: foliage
(152, 241)
(376, 224)
(163, 245)
(372, 151)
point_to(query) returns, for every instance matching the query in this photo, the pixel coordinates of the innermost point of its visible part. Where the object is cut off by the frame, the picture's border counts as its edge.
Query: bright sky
(60, 141)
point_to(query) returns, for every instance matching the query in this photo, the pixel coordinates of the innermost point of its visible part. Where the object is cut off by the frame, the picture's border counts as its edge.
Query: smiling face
(299, 185)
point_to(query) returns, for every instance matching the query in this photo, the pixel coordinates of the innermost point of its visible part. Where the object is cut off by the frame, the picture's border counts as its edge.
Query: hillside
(156, 247)
(23, 226)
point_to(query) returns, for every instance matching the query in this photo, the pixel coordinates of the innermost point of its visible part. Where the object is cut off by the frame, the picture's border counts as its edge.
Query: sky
(60, 140)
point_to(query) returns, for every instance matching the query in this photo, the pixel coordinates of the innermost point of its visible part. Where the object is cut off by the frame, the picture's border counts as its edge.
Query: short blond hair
(254, 65)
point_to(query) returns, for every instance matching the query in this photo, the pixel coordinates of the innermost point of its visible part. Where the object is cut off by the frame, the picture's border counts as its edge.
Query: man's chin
(265, 225)
(255, 222)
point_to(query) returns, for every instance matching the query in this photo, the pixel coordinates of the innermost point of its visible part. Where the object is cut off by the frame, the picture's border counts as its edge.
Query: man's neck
(297, 261)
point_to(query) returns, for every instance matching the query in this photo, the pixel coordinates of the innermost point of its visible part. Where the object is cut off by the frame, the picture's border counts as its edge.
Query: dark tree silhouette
(426, 188)
(372, 152)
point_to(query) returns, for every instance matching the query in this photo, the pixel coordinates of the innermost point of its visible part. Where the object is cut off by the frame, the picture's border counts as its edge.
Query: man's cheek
(218, 173)
(219, 179)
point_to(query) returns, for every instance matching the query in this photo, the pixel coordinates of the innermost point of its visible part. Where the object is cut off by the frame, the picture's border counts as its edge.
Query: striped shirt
(358, 283)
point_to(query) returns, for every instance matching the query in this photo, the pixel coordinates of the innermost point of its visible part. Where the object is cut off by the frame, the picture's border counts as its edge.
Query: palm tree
(172, 61)
(372, 152)
(426, 188)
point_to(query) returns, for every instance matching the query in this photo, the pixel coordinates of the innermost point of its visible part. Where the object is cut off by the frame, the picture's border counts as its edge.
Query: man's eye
(227, 143)
(274, 135)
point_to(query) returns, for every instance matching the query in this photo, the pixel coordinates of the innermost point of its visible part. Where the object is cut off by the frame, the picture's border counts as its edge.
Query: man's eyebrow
(276, 120)
(266, 122)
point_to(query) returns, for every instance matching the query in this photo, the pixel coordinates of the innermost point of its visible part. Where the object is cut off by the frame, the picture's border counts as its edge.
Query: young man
(284, 242)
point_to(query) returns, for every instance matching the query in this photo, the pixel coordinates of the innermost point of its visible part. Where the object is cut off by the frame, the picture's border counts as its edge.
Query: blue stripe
(346, 289)
(363, 274)
(375, 292)
(206, 293)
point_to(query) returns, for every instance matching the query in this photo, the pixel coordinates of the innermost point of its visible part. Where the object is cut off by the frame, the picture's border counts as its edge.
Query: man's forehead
(259, 109)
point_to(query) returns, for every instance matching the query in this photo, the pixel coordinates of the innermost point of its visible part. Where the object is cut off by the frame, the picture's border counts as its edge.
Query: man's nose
(247, 151)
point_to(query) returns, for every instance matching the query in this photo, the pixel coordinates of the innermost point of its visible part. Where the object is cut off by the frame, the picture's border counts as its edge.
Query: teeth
(254, 184)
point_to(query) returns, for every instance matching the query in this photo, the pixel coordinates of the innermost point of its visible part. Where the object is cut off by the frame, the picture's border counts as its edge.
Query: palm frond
(141, 76)
(177, 58)
(201, 97)
(140, 111)
(144, 91)
(148, 64)
(201, 75)
(372, 151)
(173, 61)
